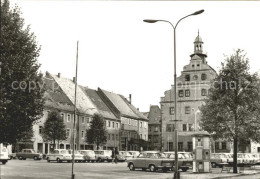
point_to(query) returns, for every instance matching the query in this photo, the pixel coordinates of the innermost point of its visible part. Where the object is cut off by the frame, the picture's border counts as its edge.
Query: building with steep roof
(154, 127)
(134, 125)
(192, 89)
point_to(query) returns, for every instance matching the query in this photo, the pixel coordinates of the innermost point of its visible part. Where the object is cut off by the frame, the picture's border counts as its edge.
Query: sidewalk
(217, 174)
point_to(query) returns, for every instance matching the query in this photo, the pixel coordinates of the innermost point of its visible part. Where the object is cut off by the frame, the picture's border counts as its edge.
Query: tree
(232, 109)
(97, 133)
(54, 128)
(21, 92)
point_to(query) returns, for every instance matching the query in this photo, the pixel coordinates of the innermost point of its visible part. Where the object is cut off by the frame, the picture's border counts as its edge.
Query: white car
(126, 154)
(59, 155)
(4, 155)
(134, 153)
(78, 157)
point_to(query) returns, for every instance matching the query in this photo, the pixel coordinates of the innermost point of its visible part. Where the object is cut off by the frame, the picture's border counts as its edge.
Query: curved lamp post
(176, 173)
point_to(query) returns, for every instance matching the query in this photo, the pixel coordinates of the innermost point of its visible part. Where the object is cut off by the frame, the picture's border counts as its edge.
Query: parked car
(151, 160)
(256, 158)
(103, 155)
(28, 153)
(3, 155)
(126, 155)
(120, 157)
(134, 153)
(89, 155)
(59, 155)
(219, 159)
(78, 157)
(184, 160)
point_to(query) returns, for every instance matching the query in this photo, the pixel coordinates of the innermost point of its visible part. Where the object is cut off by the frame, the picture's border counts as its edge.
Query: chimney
(74, 79)
(59, 75)
(130, 98)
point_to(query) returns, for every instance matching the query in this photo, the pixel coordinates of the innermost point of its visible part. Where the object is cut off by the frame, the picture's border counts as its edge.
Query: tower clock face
(195, 77)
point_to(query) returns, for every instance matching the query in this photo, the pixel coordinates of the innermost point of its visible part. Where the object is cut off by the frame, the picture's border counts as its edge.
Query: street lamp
(176, 173)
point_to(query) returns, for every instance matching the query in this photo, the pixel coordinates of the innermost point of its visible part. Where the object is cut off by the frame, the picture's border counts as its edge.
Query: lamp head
(150, 20)
(197, 12)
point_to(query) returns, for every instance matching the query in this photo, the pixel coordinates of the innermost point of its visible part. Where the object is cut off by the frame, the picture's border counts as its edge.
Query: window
(203, 76)
(169, 127)
(113, 124)
(190, 127)
(203, 92)
(224, 146)
(82, 134)
(145, 125)
(170, 146)
(144, 136)
(195, 77)
(108, 137)
(180, 93)
(68, 118)
(129, 121)
(117, 137)
(156, 129)
(217, 145)
(187, 93)
(108, 123)
(258, 149)
(189, 146)
(184, 127)
(150, 128)
(62, 116)
(187, 109)
(171, 110)
(67, 132)
(180, 146)
(82, 120)
(140, 136)
(141, 124)
(187, 77)
(40, 129)
(117, 125)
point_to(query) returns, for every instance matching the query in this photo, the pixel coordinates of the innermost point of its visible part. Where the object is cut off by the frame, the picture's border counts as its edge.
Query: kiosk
(201, 152)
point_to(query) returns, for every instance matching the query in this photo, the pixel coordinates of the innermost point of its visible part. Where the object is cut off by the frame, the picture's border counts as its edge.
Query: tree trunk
(235, 155)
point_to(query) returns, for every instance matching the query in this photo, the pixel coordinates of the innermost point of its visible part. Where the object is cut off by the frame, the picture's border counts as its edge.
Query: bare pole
(75, 108)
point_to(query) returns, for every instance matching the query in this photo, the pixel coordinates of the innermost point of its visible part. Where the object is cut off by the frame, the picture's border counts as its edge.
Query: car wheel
(152, 168)
(213, 165)
(24, 158)
(144, 169)
(35, 158)
(48, 160)
(99, 160)
(131, 167)
(58, 160)
(68, 161)
(4, 162)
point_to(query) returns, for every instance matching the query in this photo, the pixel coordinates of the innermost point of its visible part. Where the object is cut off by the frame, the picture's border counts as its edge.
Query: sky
(120, 53)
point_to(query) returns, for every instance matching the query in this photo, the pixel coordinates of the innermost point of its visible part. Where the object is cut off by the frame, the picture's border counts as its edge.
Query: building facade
(154, 128)
(192, 89)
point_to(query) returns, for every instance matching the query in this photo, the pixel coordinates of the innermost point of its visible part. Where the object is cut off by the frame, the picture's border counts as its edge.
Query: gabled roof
(99, 103)
(55, 97)
(84, 104)
(120, 104)
(136, 111)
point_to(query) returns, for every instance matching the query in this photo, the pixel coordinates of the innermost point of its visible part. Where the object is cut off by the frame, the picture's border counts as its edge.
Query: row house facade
(116, 110)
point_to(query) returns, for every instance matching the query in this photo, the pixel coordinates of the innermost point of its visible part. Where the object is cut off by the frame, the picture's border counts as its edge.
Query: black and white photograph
(129, 89)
